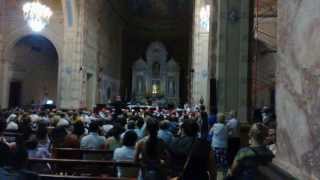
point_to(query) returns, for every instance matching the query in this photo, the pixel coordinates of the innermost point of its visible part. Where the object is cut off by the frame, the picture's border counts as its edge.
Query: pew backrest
(58, 177)
(79, 167)
(76, 153)
(12, 136)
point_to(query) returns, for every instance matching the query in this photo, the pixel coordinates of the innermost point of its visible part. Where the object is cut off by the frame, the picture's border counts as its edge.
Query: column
(232, 56)
(2, 62)
(71, 71)
(200, 52)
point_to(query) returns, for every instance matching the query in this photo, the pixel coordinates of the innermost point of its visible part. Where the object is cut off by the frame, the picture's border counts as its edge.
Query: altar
(156, 78)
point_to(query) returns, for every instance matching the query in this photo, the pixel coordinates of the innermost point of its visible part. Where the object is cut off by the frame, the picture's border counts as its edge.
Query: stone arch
(11, 40)
(22, 32)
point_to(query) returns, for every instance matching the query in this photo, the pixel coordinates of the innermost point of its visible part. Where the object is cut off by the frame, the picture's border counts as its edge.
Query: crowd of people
(166, 143)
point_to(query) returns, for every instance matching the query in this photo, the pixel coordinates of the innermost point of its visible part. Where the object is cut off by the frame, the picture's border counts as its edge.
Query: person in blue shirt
(164, 133)
(220, 143)
(126, 153)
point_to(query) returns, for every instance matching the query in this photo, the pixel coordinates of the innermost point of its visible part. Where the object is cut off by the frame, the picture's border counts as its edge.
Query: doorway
(15, 94)
(35, 65)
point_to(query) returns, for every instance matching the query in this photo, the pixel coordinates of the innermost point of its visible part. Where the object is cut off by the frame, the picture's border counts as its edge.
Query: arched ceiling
(38, 44)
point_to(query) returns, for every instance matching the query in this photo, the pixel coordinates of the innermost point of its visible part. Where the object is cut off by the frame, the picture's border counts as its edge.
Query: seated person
(93, 141)
(72, 140)
(130, 127)
(57, 137)
(5, 152)
(139, 129)
(126, 153)
(164, 132)
(248, 159)
(17, 166)
(42, 135)
(114, 140)
(36, 151)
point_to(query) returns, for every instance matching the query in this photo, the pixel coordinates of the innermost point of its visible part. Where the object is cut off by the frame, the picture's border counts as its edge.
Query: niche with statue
(156, 78)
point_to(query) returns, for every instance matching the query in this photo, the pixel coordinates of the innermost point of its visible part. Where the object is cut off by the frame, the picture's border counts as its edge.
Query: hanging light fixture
(37, 15)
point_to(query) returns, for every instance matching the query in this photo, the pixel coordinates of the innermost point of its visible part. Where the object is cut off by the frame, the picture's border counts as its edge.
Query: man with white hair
(12, 123)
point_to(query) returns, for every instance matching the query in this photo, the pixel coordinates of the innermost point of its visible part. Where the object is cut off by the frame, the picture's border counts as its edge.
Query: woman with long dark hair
(152, 154)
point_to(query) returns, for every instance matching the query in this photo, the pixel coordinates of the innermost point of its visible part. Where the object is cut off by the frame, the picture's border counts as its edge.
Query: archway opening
(34, 72)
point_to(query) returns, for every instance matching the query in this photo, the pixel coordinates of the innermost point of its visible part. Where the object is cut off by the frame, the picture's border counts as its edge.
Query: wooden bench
(79, 167)
(12, 136)
(73, 153)
(59, 177)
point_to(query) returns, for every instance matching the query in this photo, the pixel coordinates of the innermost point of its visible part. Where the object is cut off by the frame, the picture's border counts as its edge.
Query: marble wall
(298, 88)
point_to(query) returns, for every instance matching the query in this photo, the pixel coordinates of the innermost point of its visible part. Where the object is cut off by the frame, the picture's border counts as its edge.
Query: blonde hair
(258, 132)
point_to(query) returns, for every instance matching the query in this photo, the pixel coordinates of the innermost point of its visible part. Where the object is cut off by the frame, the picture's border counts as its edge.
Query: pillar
(71, 71)
(232, 56)
(200, 52)
(2, 62)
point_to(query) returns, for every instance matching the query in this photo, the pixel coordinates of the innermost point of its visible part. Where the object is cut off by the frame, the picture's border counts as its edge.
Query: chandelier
(37, 15)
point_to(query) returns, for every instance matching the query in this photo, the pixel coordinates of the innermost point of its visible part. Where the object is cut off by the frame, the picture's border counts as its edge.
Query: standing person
(248, 159)
(152, 154)
(219, 143)
(204, 126)
(181, 146)
(233, 126)
(194, 158)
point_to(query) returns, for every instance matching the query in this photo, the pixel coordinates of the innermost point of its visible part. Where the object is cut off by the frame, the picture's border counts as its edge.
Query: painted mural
(298, 88)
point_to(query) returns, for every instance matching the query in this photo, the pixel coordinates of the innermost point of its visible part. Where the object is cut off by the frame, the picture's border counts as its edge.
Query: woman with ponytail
(152, 154)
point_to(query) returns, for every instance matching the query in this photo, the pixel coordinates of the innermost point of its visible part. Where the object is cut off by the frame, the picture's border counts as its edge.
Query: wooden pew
(12, 136)
(79, 167)
(59, 177)
(73, 153)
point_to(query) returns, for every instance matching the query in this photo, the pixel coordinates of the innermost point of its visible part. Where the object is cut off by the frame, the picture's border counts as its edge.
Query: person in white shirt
(126, 153)
(63, 121)
(233, 126)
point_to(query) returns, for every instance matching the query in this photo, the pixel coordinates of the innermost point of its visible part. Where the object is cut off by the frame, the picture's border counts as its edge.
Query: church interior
(254, 61)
